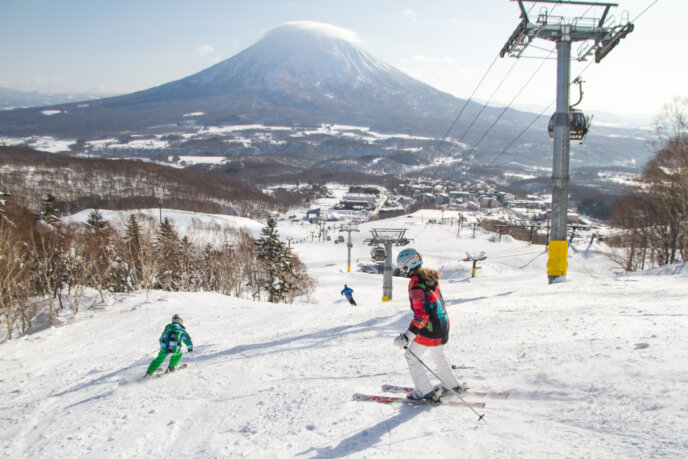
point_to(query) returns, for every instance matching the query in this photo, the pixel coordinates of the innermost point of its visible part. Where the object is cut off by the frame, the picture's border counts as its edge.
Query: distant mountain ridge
(12, 98)
(282, 95)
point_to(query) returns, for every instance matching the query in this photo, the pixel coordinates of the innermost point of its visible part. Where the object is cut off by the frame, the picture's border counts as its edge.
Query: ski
(389, 400)
(167, 372)
(466, 391)
(460, 367)
(160, 372)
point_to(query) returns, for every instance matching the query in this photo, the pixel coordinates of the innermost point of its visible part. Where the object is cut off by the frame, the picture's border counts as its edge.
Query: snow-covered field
(596, 365)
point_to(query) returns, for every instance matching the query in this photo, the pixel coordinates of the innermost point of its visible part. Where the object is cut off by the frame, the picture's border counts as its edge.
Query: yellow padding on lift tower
(557, 263)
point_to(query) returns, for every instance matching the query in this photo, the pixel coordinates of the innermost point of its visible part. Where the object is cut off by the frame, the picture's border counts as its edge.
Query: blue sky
(123, 46)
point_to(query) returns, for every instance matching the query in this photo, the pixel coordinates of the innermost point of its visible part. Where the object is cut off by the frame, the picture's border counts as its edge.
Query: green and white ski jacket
(172, 338)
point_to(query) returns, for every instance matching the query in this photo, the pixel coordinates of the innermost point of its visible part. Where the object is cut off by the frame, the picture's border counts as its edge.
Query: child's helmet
(409, 259)
(177, 318)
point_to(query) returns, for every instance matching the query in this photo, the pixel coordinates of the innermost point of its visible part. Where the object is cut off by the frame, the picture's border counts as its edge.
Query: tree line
(653, 215)
(82, 183)
(43, 258)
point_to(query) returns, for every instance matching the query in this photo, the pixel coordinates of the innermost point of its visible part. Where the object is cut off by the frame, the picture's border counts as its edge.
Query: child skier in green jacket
(171, 343)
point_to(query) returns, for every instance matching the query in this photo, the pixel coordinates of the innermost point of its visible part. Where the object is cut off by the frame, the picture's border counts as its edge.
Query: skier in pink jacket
(429, 328)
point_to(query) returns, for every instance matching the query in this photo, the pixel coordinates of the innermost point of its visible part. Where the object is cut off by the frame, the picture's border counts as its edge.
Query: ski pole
(480, 416)
(196, 363)
(144, 357)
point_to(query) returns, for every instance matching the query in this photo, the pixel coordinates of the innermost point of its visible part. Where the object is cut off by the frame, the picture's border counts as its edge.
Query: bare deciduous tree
(654, 215)
(14, 266)
(147, 256)
(46, 250)
(40, 258)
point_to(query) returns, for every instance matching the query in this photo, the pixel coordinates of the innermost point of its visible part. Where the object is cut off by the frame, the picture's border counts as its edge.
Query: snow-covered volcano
(304, 59)
(298, 73)
(305, 74)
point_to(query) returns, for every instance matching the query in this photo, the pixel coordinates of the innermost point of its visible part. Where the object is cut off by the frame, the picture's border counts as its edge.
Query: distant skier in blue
(348, 293)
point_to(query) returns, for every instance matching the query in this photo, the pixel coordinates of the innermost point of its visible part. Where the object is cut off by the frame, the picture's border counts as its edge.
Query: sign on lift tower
(599, 34)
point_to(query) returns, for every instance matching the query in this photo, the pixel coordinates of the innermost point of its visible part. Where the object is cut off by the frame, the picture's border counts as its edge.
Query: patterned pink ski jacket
(430, 320)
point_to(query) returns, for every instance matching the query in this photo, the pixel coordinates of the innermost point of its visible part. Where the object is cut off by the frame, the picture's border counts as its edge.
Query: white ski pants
(418, 372)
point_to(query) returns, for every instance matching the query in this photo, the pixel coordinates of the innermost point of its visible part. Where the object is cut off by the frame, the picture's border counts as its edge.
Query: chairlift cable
(535, 119)
(509, 105)
(542, 48)
(540, 58)
(643, 12)
(512, 101)
(550, 104)
(437, 147)
(521, 133)
(488, 101)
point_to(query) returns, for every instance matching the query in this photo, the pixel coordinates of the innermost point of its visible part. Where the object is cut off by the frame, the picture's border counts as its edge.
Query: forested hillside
(79, 183)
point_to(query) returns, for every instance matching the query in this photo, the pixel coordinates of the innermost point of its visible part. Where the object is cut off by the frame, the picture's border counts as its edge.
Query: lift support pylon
(599, 34)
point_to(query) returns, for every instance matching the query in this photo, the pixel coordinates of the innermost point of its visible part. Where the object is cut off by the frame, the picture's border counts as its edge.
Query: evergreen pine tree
(49, 214)
(278, 277)
(96, 221)
(169, 255)
(101, 254)
(209, 259)
(133, 233)
(132, 253)
(191, 280)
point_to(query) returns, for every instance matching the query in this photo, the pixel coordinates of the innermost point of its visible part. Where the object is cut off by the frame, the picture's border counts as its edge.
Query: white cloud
(320, 27)
(434, 60)
(411, 14)
(424, 59)
(205, 50)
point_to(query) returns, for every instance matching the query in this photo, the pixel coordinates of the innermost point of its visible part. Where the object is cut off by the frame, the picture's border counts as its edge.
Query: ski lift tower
(349, 245)
(387, 238)
(599, 35)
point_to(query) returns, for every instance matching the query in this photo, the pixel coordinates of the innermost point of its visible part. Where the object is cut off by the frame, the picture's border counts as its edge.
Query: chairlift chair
(578, 122)
(378, 254)
(578, 125)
